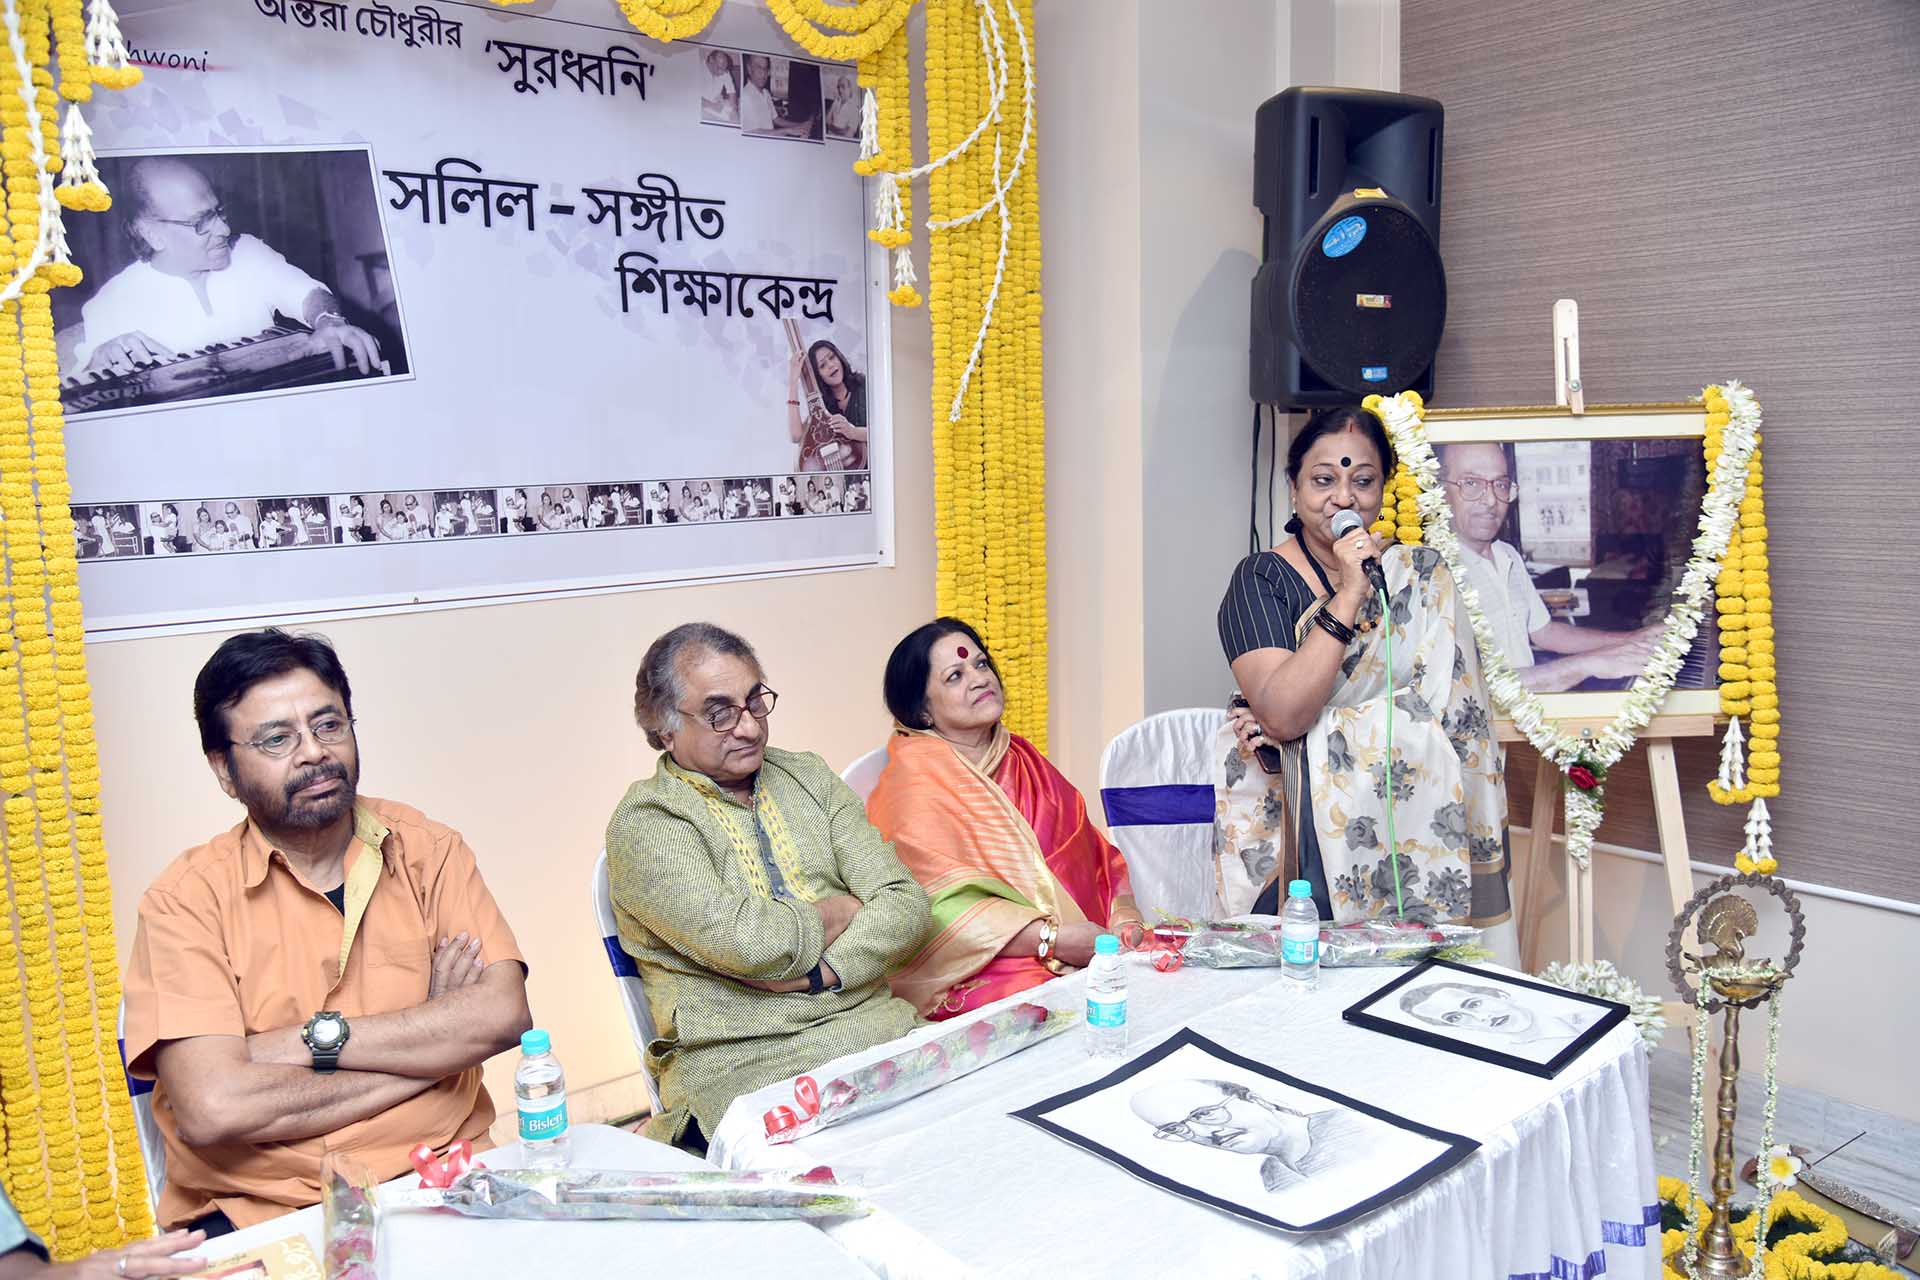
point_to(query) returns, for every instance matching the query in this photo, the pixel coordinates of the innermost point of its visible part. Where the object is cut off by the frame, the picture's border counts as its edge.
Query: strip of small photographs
(767, 96)
(198, 526)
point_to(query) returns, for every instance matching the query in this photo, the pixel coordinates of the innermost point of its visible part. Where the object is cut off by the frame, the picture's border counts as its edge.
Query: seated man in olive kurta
(764, 910)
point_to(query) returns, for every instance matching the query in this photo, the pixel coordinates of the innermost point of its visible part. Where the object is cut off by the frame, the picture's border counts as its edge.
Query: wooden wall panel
(1730, 189)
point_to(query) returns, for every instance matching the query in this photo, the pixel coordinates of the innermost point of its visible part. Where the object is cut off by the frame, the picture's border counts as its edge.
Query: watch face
(326, 1032)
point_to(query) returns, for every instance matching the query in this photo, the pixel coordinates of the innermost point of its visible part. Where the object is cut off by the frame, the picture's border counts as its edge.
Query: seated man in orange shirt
(326, 976)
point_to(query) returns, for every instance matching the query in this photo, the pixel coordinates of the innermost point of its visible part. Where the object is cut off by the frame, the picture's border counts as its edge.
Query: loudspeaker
(1351, 296)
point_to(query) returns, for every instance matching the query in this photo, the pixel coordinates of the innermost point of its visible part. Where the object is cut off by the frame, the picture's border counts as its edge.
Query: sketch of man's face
(1464, 1006)
(1199, 1111)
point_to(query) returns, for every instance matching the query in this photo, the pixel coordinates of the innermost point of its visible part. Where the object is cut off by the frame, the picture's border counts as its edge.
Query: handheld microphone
(1344, 523)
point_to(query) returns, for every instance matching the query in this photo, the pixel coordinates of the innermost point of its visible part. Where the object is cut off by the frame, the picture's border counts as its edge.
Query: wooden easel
(1658, 738)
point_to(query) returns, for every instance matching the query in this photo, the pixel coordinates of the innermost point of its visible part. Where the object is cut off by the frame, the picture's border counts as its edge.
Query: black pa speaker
(1351, 296)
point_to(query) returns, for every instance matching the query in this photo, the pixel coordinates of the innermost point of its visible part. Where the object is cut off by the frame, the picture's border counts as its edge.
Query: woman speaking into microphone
(1328, 679)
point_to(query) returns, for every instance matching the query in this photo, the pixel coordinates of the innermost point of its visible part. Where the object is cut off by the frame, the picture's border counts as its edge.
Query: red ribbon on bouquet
(442, 1171)
(806, 1105)
(1167, 957)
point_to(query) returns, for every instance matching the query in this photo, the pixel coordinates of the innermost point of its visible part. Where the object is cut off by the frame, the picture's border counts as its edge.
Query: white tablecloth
(440, 1243)
(1561, 1188)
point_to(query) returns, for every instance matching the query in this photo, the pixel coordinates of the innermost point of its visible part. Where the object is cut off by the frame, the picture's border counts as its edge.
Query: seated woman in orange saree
(1021, 882)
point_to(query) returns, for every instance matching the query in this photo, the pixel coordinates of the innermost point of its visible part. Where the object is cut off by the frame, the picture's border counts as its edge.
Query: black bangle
(816, 981)
(1333, 626)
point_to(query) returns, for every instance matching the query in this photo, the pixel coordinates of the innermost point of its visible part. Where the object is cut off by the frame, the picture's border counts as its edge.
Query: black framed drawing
(1509, 1021)
(1207, 1124)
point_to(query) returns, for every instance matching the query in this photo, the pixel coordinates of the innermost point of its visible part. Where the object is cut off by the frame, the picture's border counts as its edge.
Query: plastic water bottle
(540, 1089)
(1300, 935)
(1106, 1000)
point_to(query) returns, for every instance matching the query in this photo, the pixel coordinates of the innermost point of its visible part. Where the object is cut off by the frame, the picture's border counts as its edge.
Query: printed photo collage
(765, 96)
(189, 526)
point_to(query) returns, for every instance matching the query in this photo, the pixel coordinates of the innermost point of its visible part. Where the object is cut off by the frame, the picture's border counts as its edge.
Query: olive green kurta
(707, 889)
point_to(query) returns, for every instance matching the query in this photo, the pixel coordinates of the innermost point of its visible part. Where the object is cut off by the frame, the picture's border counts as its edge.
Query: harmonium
(269, 361)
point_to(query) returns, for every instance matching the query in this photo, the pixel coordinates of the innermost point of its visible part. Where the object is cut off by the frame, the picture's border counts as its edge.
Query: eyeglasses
(279, 744)
(202, 224)
(759, 705)
(1474, 488)
(1210, 1117)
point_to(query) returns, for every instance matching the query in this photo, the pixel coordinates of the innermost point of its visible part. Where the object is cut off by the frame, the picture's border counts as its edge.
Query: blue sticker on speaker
(1373, 372)
(1344, 236)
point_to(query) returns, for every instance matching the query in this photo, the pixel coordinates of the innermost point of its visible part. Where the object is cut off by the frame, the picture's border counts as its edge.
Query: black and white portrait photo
(206, 524)
(353, 517)
(560, 508)
(464, 513)
(1489, 1015)
(615, 506)
(293, 522)
(858, 495)
(403, 516)
(658, 499)
(697, 501)
(736, 502)
(1207, 1124)
(842, 104)
(786, 496)
(820, 494)
(780, 98)
(517, 511)
(720, 89)
(1575, 549)
(168, 532)
(228, 273)
(108, 530)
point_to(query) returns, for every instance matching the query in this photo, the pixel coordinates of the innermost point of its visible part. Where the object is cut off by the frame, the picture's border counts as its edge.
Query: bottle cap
(535, 1042)
(1106, 945)
(1300, 889)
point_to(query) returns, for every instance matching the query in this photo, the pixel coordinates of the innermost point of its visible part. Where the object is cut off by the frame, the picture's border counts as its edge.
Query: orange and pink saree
(996, 846)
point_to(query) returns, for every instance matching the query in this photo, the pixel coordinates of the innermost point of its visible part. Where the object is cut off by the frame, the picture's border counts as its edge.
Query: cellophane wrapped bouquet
(585, 1194)
(350, 1211)
(912, 1072)
(1249, 944)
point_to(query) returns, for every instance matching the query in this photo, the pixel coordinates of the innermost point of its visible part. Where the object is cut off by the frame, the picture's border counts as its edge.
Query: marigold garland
(72, 1159)
(1799, 1254)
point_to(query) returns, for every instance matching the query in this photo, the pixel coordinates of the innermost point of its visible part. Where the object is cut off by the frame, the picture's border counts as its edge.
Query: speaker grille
(1368, 310)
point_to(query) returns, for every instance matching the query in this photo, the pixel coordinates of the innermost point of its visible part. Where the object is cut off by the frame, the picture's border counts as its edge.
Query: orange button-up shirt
(232, 941)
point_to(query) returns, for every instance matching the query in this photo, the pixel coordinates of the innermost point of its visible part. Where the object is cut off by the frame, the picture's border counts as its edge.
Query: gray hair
(658, 688)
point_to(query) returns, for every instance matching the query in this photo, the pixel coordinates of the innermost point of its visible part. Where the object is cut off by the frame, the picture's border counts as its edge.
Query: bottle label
(1106, 1012)
(1299, 944)
(542, 1119)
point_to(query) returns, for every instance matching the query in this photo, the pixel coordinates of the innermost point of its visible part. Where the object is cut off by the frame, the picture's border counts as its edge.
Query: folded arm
(452, 1031)
(894, 914)
(220, 1095)
(663, 877)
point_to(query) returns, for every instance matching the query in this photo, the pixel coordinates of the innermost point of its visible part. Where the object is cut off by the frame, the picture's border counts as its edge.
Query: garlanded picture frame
(1725, 574)
(1322, 1166)
(1477, 1013)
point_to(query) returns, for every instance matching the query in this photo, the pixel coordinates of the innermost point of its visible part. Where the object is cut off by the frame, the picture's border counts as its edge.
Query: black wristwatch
(325, 1034)
(816, 980)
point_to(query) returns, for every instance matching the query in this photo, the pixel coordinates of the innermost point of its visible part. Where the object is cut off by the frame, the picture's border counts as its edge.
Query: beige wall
(514, 724)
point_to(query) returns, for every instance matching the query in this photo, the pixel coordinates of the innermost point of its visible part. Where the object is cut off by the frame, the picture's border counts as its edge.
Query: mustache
(318, 773)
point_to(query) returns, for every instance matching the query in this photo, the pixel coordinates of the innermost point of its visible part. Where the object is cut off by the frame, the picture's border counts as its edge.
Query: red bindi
(963, 651)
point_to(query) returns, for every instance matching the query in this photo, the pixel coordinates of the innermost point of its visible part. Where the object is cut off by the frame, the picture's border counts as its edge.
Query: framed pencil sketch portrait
(1576, 532)
(1209, 1125)
(1478, 1013)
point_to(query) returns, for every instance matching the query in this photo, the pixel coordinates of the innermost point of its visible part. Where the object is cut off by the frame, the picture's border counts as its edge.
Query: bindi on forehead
(963, 652)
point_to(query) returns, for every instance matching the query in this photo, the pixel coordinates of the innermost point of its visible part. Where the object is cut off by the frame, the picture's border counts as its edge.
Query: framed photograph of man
(1205, 1123)
(1478, 1013)
(720, 90)
(781, 98)
(1575, 534)
(228, 273)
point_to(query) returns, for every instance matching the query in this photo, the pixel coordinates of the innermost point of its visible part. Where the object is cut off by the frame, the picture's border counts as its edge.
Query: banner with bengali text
(415, 305)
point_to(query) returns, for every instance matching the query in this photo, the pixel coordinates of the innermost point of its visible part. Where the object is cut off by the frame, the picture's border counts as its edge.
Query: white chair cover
(626, 975)
(864, 774)
(1156, 787)
(153, 1147)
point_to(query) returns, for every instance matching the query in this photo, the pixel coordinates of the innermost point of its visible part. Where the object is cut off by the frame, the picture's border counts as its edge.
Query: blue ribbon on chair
(1170, 804)
(623, 965)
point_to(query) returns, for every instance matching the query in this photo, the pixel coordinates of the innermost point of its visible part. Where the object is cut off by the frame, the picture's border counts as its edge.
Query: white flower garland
(1603, 980)
(1719, 513)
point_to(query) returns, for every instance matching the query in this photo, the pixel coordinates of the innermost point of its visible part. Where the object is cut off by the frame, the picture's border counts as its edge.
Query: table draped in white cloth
(414, 1243)
(1562, 1187)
